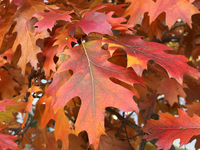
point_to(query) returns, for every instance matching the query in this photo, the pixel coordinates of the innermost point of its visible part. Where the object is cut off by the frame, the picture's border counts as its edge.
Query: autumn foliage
(94, 74)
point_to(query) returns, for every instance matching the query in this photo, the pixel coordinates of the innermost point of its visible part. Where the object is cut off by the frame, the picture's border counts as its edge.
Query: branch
(128, 138)
(143, 141)
(31, 142)
(128, 122)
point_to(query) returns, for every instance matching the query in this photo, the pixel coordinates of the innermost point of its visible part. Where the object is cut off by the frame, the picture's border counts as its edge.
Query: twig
(143, 141)
(17, 130)
(150, 109)
(30, 142)
(121, 127)
(128, 122)
(131, 137)
(142, 144)
(127, 138)
(20, 140)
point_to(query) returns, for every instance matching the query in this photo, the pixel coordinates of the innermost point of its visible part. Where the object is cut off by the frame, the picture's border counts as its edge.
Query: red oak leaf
(168, 128)
(90, 81)
(174, 9)
(92, 22)
(50, 17)
(139, 52)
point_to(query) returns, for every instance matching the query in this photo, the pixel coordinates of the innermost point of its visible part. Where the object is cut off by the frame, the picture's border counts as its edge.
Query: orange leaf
(62, 128)
(26, 37)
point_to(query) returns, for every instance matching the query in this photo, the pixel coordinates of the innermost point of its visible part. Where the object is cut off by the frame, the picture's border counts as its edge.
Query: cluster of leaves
(76, 71)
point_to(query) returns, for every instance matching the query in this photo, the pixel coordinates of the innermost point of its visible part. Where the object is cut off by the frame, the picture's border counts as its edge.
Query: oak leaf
(92, 84)
(92, 22)
(27, 39)
(174, 9)
(62, 128)
(49, 52)
(116, 23)
(48, 113)
(137, 9)
(171, 89)
(63, 40)
(139, 52)
(168, 128)
(25, 30)
(49, 18)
